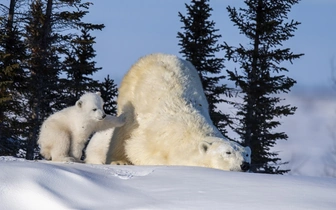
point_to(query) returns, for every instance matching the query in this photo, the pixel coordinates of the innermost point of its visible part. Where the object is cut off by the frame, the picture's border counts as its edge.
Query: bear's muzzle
(245, 166)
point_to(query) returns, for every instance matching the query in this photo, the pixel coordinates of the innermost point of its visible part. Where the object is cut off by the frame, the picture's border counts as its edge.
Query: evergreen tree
(261, 79)
(43, 70)
(5, 82)
(198, 42)
(79, 64)
(109, 92)
(11, 76)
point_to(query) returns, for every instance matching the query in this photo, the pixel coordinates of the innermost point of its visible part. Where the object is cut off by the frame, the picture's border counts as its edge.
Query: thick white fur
(63, 134)
(167, 119)
(98, 146)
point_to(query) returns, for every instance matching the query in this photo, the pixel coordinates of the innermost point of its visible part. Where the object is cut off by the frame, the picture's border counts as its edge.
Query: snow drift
(47, 185)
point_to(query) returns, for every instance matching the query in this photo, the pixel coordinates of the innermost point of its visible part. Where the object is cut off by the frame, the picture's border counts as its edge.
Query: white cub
(167, 120)
(63, 134)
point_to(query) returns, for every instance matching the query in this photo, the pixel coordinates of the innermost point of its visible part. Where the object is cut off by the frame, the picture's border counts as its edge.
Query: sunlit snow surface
(46, 185)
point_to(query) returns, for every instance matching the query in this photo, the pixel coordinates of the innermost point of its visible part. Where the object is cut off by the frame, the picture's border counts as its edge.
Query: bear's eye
(246, 155)
(228, 153)
(94, 109)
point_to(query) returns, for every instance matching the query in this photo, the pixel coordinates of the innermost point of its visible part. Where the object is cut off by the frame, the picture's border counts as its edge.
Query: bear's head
(91, 104)
(226, 155)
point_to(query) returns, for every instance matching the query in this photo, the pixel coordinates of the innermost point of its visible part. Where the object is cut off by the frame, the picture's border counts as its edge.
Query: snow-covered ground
(311, 147)
(45, 185)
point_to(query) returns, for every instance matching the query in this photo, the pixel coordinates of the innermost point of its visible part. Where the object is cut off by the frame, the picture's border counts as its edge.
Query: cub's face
(226, 155)
(92, 105)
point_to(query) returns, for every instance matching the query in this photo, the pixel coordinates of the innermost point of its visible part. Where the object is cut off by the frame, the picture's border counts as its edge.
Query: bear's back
(160, 82)
(63, 116)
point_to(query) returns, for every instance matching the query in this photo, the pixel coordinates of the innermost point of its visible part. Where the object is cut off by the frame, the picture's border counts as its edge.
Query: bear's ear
(248, 150)
(79, 103)
(98, 93)
(203, 147)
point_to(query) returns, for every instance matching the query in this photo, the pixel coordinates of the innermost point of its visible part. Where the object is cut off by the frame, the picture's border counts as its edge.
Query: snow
(49, 185)
(311, 144)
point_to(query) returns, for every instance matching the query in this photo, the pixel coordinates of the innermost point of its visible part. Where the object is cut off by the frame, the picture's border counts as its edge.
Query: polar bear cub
(63, 134)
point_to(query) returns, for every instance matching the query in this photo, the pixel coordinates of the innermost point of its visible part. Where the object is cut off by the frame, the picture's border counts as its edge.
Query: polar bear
(167, 120)
(63, 134)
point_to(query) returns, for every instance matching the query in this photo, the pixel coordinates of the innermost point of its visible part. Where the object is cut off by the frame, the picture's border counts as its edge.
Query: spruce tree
(199, 45)
(79, 64)
(6, 80)
(109, 92)
(5, 83)
(262, 78)
(12, 51)
(43, 70)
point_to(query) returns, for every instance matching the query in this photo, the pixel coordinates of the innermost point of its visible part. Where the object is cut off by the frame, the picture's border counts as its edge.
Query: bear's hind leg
(61, 147)
(77, 146)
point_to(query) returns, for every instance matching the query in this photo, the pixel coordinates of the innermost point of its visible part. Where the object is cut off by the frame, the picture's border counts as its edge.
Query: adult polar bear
(63, 134)
(167, 119)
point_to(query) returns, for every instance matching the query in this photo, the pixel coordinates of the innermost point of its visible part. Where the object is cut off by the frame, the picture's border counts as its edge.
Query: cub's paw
(115, 121)
(65, 159)
(122, 119)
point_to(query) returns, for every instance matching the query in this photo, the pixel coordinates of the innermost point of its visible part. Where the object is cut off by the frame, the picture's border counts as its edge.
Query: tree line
(47, 62)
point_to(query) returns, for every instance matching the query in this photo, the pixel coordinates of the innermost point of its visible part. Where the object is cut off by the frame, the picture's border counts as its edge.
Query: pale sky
(136, 28)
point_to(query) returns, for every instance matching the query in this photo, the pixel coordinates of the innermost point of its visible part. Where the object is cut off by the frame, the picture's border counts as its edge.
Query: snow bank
(45, 185)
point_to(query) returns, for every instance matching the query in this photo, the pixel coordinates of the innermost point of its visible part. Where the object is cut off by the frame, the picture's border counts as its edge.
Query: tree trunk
(37, 112)
(47, 25)
(251, 97)
(8, 46)
(11, 15)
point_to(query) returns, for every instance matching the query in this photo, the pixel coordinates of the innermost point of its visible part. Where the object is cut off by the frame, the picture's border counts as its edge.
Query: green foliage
(11, 77)
(198, 43)
(79, 64)
(109, 92)
(261, 79)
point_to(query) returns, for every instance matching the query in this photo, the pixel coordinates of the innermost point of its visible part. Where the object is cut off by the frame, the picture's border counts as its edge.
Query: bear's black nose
(245, 166)
(104, 116)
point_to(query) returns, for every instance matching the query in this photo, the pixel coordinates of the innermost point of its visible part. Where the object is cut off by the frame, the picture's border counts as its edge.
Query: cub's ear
(203, 147)
(98, 93)
(79, 103)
